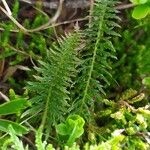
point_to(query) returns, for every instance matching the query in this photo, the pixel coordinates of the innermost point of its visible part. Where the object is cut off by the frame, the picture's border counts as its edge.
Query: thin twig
(91, 11)
(17, 50)
(13, 19)
(42, 27)
(2, 65)
(73, 4)
(7, 7)
(57, 14)
(124, 6)
(56, 24)
(54, 4)
(14, 31)
(51, 21)
(4, 97)
(30, 142)
(67, 22)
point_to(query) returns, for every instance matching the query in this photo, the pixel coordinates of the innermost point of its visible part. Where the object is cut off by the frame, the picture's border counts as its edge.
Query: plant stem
(99, 36)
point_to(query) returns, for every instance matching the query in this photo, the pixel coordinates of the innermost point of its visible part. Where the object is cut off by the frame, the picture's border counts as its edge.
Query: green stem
(99, 36)
(46, 110)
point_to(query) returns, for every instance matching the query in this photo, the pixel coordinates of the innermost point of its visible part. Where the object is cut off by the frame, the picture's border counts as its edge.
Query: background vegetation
(75, 76)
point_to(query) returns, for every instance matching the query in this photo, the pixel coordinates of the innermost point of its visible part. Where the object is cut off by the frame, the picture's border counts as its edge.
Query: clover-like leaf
(72, 128)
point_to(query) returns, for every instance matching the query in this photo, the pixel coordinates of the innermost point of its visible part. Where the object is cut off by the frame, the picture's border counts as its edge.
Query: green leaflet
(13, 107)
(139, 1)
(19, 129)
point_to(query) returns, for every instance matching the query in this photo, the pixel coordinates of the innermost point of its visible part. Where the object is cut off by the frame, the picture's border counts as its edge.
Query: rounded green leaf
(143, 1)
(73, 128)
(146, 81)
(139, 1)
(141, 11)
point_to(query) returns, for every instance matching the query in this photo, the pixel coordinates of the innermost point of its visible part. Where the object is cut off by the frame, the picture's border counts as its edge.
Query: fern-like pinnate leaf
(96, 56)
(54, 77)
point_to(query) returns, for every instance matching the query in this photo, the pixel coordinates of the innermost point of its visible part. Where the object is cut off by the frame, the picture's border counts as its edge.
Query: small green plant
(71, 129)
(17, 143)
(50, 88)
(39, 143)
(130, 121)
